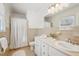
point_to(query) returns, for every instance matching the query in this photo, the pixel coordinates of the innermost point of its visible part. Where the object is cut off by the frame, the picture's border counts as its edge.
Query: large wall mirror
(67, 23)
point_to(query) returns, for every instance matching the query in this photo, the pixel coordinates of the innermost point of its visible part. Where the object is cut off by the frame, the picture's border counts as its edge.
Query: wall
(5, 11)
(74, 11)
(32, 33)
(35, 19)
(65, 34)
(2, 13)
(7, 18)
(35, 23)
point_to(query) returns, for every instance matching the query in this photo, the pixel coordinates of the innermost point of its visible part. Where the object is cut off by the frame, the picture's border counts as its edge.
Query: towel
(4, 43)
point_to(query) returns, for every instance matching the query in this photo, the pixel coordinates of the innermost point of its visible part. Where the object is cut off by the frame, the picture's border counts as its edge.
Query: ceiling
(42, 8)
(25, 7)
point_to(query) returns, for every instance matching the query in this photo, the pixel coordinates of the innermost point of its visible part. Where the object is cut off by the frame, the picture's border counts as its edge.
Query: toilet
(3, 45)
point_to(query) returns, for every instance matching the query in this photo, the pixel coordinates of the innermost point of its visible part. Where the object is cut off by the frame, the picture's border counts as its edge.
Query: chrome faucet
(74, 43)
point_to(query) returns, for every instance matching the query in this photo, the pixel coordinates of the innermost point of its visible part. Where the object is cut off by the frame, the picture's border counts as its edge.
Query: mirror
(67, 23)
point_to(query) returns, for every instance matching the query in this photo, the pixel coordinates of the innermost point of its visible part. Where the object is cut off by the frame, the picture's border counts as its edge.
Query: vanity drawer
(55, 52)
(37, 50)
(44, 49)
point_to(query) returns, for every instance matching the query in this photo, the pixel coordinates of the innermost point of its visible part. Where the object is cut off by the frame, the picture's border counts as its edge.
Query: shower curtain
(18, 33)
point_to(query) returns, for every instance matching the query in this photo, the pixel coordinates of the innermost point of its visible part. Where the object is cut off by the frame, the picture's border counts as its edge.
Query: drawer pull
(43, 52)
(43, 45)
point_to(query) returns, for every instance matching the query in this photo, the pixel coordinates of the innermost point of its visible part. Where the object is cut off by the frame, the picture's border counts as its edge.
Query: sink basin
(67, 46)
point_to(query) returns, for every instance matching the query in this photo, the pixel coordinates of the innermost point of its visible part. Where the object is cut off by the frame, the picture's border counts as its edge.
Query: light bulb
(51, 10)
(57, 5)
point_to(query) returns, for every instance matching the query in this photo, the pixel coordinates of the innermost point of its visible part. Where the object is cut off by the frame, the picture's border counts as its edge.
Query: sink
(67, 46)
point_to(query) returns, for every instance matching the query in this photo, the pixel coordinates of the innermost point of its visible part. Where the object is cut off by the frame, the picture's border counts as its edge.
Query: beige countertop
(72, 53)
(69, 53)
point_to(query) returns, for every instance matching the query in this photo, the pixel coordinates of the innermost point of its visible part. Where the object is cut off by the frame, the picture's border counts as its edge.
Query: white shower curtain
(18, 33)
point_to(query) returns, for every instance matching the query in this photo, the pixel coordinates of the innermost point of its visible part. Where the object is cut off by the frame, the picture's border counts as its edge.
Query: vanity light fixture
(56, 7)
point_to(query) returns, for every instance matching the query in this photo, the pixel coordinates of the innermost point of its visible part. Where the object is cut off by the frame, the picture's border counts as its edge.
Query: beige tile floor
(27, 50)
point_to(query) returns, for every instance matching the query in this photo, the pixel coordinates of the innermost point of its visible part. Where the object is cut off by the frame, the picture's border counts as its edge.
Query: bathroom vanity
(47, 46)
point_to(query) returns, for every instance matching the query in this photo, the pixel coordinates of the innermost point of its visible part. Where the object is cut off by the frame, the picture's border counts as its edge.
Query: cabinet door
(37, 47)
(44, 51)
(37, 50)
(54, 52)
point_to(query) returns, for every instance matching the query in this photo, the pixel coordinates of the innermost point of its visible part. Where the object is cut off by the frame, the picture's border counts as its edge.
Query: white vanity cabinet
(37, 46)
(37, 50)
(54, 52)
(41, 49)
(44, 47)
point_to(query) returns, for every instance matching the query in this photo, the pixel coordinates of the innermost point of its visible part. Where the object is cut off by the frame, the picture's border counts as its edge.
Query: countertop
(69, 53)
